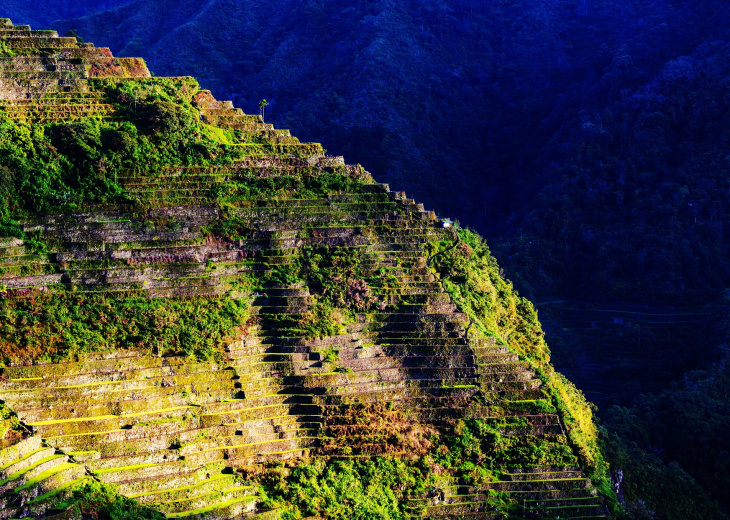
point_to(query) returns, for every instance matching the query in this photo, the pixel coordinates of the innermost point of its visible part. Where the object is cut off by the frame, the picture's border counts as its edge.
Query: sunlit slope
(191, 296)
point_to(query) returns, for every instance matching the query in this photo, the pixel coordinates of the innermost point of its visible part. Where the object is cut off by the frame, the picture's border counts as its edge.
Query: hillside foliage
(585, 139)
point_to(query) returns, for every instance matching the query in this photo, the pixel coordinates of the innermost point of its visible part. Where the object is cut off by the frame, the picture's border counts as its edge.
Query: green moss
(218, 135)
(65, 487)
(125, 468)
(212, 507)
(6, 51)
(18, 474)
(184, 488)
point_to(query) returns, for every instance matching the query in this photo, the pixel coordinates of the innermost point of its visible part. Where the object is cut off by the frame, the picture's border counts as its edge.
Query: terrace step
(171, 431)
(19, 450)
(30, 459)
(42, 479)
(212, 498)
(231, 508)
(27, 42)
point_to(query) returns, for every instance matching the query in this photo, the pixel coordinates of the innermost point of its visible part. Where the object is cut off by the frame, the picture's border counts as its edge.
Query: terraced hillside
(195, 302)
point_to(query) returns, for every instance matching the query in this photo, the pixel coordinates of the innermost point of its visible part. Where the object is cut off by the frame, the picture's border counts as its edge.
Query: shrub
(102, 502)
(346, 489)
(163, 118)
(53, 326)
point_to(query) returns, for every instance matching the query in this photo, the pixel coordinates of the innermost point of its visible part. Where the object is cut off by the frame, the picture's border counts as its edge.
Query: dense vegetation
(102, 502)
(586, 139)
(583, 131)
(392, 488)
(472, 277)
(662, 440)
(66, 322)
(345, 488)
(55, 10)
(61, 167)
(52, 327)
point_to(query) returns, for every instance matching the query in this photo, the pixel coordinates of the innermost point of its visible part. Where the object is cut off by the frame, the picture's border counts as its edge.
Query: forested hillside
(586, 139)
(44, 13)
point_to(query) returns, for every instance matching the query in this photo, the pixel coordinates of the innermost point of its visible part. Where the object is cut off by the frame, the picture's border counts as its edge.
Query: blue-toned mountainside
(44, 13)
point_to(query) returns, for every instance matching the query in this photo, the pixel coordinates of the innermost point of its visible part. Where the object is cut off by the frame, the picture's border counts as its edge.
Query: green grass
(19, 474)
(182, 488)
(22, 458)
(63, 487)
(212, 507)
(46, 474)
(209, 494)
(124, 468)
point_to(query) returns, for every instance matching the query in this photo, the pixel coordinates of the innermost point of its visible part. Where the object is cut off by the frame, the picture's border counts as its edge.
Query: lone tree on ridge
(262, 106)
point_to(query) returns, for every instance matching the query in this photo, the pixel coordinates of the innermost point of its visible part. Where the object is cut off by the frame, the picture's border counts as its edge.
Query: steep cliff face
(198, 308)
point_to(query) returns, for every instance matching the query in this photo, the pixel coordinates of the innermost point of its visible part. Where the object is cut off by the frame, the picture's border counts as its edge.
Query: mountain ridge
(201, 309)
